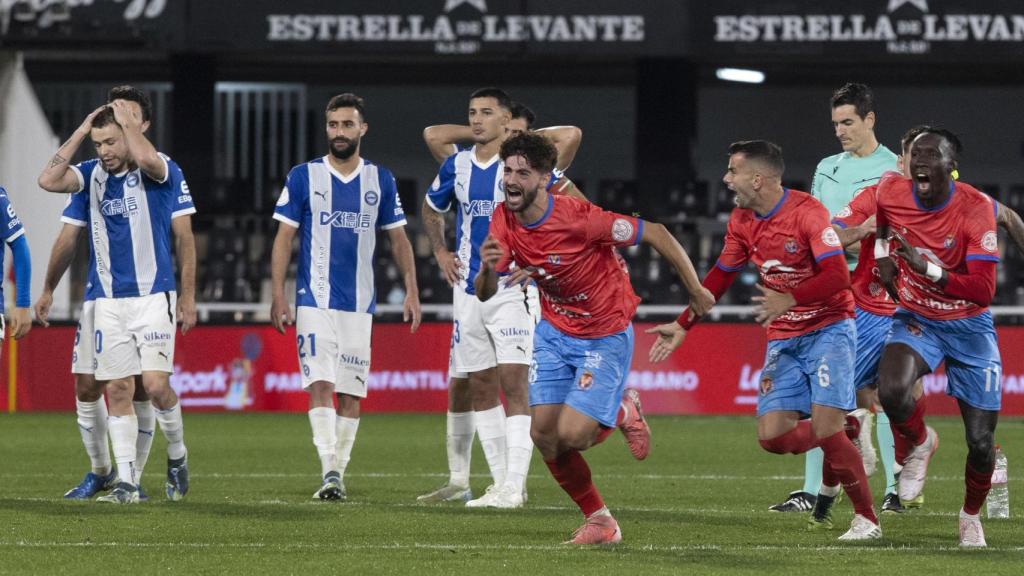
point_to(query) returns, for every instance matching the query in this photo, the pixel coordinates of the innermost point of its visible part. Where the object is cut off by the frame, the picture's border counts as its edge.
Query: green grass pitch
(697, 505)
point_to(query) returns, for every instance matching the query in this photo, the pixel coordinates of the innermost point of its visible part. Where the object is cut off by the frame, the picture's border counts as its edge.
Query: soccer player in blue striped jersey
(131, 199)
(90, 405)
(489, 338)
(443, 140)
(12, 232)
(336, 204)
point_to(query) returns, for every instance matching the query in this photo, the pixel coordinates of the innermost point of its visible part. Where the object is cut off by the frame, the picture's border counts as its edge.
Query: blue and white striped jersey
(10, 230)
(338, 217)
(128, 217)
(478, 188)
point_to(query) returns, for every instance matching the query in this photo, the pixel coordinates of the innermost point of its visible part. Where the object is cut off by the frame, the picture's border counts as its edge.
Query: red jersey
(786, 246)
(584, 287)
(962, 229)
(868, 291)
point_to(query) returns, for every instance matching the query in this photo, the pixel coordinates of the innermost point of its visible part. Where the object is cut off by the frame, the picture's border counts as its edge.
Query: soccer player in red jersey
(808, 310)
(943, 275)
(584, 344)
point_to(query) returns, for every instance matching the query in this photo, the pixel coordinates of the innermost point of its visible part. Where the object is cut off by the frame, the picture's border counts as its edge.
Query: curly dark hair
(105, 117)
(540, 154)
(132, 94)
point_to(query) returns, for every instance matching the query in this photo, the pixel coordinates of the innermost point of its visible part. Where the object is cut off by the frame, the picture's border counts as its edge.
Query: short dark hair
(908, 137)
(132, 94)
(105, 117)
(540, 153)
(497, 93)
(949, 137)
(347, 100)
(520, 110)
(860, 96)
(768, 153)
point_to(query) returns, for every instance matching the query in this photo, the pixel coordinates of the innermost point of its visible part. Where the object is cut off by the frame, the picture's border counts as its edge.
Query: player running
(942, 274)
(808, 310)
(337, 202)
(584, 344)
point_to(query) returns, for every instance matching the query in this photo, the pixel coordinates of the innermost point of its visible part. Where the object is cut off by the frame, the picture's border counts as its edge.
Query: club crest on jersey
(125, 207)
(554, 259)
(830, 238)
(949, 242)
(586, 381)
(875, 289)
(790, 246)
(622, 230)
(989, 241)
(371, 198)
(133, 180)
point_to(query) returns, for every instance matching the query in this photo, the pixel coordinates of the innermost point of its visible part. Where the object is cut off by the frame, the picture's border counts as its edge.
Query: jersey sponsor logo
(133, 180)
(479, 208)
(185, 199)
(10, 211)
(622, 230)
(830, 238)
(790, 246)
(125, 207)
(990, 241)
(371, 198)
(14, 223)
(775, 265)
(356, 221)
(282, 200)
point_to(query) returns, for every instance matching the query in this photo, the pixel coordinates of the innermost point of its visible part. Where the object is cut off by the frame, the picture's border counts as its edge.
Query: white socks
(174, 431)
(490, 426)
(831, 491)
(92, 424)
(147, 425)
(124, 431)
(325, 436)
(461, 429)
(520, 450)
(346, 434)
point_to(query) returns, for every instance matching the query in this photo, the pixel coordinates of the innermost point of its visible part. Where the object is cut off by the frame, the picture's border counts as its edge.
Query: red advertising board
(254, 368)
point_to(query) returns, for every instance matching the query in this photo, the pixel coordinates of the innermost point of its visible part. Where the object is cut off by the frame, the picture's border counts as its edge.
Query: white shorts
(499, 331)
(334, 346)
(83, 353)
(134, 335)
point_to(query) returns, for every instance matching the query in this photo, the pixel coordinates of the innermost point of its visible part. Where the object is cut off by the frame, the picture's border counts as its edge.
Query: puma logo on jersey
(321, 194)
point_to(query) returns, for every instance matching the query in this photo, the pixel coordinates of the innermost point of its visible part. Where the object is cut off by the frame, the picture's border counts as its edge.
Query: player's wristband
(881, 248)
(933, 272)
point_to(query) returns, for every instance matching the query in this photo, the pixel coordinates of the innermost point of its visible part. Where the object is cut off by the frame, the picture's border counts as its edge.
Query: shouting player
(808, 310)
(942, 273)
(584, 344)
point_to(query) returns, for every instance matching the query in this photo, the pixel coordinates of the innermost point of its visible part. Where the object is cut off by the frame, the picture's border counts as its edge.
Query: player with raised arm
(131, 199)
(942, 275)
(584, 344)
(336, 204)
(90, 406)
(807, 307)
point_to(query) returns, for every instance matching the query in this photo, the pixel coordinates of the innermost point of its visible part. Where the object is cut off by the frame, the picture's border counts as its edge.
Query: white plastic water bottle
(998, 504)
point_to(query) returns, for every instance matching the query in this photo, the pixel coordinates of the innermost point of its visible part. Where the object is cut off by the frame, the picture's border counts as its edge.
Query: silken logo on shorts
(353, 360)
(156, 336)
(514, 332)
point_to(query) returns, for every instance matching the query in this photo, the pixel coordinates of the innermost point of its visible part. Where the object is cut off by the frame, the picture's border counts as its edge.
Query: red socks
(978, 485)
(573, 475)
(796, 441)
(842, 458)
(909, 433)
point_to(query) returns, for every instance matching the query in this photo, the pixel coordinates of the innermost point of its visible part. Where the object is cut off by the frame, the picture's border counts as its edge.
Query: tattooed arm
(58, 175)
